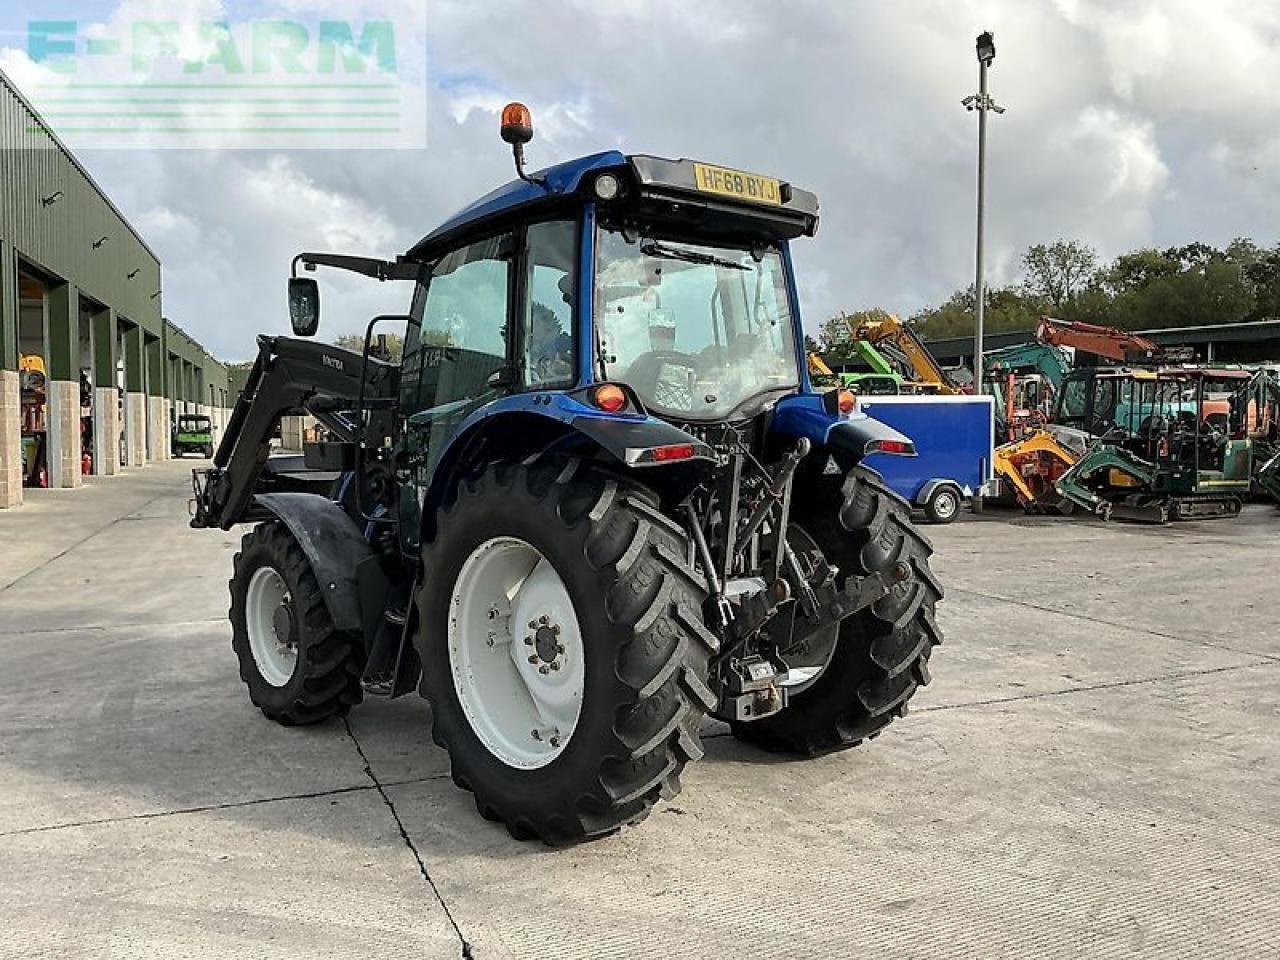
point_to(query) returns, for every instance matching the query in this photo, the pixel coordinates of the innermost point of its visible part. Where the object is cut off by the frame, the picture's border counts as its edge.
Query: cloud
(1128, 123)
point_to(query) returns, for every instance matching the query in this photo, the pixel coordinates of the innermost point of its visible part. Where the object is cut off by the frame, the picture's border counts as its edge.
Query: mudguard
(927, 490)
(333, 545)
(635, 441)
(856, 435)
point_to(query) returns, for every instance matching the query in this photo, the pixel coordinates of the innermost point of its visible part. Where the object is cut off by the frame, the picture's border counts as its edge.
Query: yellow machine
(894, 338)
(818, 367)
(1031, 466)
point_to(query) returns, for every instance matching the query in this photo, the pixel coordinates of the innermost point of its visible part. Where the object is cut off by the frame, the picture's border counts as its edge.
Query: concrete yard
(1094, 772)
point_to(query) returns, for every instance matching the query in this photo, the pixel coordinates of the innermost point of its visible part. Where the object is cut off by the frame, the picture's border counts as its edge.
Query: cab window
(551, 278)
(461, 340)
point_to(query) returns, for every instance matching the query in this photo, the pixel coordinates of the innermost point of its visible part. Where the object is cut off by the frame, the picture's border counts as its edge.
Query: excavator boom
(1118, 345)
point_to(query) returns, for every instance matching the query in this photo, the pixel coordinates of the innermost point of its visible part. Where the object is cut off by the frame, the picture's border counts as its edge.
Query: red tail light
(675, 451)
(903, 448)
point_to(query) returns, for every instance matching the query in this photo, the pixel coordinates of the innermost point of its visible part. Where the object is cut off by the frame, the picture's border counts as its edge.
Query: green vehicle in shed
(193, 433)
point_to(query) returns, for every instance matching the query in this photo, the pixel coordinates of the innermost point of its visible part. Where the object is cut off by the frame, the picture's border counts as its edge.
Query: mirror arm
(399, 269)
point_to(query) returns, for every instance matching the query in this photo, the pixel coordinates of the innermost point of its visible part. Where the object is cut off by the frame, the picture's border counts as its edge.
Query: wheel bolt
(543, 619)
(555, 665)
(533, 624)
(544, 669)
(535, 734)
(533, 659)
(555, 741)
(559, 648)
(528, 641)
(556, 629)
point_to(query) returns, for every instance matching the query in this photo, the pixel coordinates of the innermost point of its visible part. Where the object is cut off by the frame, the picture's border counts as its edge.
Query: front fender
(333, 545)
(856, 435)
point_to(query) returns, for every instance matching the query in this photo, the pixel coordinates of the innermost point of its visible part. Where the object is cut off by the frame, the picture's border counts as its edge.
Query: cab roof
(797, 215)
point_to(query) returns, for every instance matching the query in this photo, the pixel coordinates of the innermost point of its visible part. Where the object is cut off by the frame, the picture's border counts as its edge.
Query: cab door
(458, 354)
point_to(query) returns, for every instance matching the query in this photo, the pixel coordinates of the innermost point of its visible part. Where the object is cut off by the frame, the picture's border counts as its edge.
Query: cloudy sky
(1128, 123)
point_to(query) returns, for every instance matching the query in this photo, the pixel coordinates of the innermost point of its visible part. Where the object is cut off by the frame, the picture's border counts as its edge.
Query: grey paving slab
(1216, 580)
(321, 878)
(996, 650)
(116, 722)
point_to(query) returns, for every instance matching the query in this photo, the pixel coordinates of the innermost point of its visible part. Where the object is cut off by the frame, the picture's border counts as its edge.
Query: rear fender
(530, 423)
(333, 546)
(852, 437)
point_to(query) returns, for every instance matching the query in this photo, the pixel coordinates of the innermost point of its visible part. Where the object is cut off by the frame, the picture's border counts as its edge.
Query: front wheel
(563, 649)
(298, 666)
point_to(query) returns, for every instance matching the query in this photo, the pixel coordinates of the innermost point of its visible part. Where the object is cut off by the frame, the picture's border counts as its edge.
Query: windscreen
(697, 331)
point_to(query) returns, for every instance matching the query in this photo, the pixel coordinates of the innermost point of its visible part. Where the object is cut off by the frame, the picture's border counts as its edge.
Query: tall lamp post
(982, 102)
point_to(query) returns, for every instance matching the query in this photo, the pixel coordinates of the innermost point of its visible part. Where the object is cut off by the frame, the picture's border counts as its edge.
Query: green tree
(355, 343)
(834, 336)
(1058, 272)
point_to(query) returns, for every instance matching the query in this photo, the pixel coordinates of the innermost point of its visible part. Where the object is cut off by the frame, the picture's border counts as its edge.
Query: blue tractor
(596, 501)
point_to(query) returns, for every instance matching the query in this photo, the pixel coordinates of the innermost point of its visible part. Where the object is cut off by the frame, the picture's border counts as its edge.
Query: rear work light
(609, 397)
(902, 448)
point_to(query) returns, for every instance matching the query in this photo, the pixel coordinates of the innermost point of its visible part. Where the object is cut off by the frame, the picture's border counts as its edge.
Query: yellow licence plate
(736, 183)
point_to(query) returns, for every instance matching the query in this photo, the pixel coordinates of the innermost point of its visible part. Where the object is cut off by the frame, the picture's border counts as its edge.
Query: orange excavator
(1118, 345)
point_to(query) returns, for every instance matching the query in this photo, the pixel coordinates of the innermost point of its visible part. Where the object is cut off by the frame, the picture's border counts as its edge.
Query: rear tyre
(299, 668)
(557, 563)
(943, 505)
(882, 656)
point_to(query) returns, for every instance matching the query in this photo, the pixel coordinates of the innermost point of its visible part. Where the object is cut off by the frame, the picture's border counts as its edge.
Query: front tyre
(299, 668)
(882, 655)
(563, 649)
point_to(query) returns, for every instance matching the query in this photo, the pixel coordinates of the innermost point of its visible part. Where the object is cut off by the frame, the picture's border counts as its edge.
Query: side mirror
(304, 306)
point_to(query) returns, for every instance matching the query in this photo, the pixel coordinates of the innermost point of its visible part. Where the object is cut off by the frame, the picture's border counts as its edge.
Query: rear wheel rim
(268, 614)
(516, 653)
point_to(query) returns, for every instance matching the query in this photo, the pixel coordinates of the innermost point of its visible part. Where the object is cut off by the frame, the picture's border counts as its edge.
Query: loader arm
(289, 376)
(892, 334)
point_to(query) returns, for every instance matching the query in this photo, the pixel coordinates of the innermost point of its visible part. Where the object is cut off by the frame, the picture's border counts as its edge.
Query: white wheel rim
(946, 504)
(516, 653)
(275, 655)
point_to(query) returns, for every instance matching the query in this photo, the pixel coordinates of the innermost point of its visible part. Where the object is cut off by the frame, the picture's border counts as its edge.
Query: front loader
(597, 501)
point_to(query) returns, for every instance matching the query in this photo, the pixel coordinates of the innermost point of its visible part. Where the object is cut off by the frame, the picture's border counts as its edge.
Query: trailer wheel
(882, 655)
(943, 505)
(563, 649)
(298, 667)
